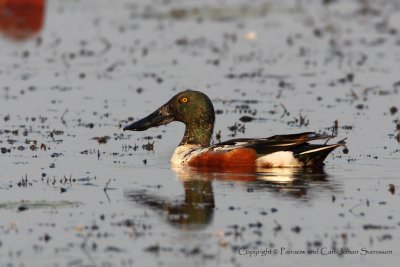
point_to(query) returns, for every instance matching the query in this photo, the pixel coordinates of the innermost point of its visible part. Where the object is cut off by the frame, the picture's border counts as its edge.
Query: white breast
(183, 153)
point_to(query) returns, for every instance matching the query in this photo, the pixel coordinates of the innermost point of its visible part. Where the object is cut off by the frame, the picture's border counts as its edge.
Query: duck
(196, 111)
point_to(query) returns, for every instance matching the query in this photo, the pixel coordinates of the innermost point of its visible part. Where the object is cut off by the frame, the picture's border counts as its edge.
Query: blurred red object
(21, 19)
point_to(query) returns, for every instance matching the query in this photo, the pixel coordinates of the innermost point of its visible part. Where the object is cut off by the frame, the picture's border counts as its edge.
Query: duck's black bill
(159, 117)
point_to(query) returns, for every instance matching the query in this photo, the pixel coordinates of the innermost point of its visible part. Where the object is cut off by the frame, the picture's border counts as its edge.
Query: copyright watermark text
(324, 251)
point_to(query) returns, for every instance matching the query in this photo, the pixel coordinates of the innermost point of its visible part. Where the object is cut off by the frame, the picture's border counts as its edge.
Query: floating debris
(5, 150)
(392, 189)
(246, 118)
(236, 128)
(148, 147)
(42, 204)
(393, 110)
(296, 229)
(102, 139)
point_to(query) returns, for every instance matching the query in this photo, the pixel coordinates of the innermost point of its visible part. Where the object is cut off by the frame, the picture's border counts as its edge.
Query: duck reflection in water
(195, 210)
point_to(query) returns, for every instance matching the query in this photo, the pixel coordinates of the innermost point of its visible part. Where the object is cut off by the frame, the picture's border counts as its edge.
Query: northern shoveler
(196, 111)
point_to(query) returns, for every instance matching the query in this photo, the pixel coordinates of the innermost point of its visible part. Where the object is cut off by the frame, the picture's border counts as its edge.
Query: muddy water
(77, 191)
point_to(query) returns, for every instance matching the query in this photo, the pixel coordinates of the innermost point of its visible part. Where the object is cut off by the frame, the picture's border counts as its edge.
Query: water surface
(75, 190)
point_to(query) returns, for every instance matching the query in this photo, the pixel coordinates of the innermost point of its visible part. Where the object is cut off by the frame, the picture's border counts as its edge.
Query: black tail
(314, 155)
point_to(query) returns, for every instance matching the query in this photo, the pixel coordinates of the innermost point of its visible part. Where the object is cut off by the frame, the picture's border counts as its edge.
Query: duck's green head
(193, 108)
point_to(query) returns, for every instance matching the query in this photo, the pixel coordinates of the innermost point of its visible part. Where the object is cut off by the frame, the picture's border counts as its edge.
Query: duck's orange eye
(184, 100)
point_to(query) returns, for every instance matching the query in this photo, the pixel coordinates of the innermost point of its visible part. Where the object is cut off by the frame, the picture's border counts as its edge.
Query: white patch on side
(278, 159)
(183, 153)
